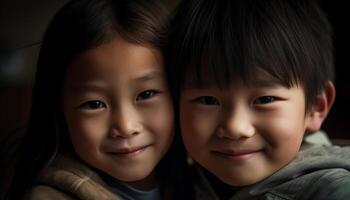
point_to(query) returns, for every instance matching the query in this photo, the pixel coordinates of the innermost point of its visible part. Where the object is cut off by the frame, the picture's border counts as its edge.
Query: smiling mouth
(129, 152)
(237, 155)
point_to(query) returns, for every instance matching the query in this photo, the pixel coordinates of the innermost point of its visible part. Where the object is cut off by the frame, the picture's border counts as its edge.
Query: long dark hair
(77, 27)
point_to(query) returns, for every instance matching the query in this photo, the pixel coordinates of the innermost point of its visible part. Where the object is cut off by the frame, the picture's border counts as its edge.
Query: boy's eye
(264, 100)
(96, 104)
(207, 100)
(146, 95)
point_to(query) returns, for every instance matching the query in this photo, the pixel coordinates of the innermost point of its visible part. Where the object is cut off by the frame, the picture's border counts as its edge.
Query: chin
(131, 176)
(235, 181)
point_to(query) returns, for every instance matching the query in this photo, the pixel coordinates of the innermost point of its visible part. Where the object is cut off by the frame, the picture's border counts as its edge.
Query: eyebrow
(262, 83)
(149, 76)
(91, 86)
(265, 83)
(100, 86)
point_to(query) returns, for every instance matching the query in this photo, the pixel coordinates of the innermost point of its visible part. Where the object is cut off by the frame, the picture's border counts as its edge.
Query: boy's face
(119, 110)
(246, 132)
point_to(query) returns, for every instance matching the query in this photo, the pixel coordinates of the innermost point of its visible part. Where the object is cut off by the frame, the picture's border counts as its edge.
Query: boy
(254, 77)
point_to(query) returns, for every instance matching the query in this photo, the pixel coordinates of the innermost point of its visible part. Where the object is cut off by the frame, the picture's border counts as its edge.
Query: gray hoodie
(317, 173)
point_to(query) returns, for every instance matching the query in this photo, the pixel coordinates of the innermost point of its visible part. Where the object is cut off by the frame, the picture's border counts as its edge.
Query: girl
(101, 122)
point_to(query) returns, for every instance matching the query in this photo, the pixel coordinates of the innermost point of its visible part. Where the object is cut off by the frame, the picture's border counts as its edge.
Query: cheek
(196, 127)
(87, 132)
(284, 132)
(159, 120)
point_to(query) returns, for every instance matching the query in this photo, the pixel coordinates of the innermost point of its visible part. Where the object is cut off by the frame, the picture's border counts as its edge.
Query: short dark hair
(221, 41)
(78, 26)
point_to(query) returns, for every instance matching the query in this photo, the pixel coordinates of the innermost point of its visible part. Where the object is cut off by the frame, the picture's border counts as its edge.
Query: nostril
(113, 136)
(135, 133)
(123, 132)
(235, 133)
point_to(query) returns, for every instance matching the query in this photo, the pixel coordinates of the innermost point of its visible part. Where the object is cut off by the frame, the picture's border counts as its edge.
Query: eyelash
(264, 100)
(97, 104)
(207, 100)
(147, 94)
(211, 101)
(93, 105)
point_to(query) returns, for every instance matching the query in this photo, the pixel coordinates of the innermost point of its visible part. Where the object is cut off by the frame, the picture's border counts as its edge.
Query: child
(254, 76)
(102, 116)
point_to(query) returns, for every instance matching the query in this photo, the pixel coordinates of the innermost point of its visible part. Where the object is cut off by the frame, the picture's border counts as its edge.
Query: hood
(310, 159)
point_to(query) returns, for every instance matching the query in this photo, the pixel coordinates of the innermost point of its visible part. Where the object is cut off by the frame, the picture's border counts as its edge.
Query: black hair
(221, 41)
(81, 25)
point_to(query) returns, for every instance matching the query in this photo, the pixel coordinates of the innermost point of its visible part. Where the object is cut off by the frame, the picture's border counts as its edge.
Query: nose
(236, 124)
(125, 122)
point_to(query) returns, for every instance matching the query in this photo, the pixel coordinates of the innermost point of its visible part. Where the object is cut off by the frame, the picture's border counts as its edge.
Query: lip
(237, 155)
(129, 151)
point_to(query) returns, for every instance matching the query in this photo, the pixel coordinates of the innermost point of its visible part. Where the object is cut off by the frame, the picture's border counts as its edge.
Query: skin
(246, 132)
(119, 89)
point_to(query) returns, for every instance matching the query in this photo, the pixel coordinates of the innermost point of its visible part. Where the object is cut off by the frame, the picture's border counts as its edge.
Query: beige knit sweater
(68, 178)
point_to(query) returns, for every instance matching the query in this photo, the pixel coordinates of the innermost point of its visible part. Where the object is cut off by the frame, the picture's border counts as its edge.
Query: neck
(222, 190)
(145, 184)
(148, 183)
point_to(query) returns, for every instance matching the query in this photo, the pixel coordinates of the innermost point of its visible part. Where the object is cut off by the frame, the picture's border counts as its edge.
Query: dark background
(338, 121)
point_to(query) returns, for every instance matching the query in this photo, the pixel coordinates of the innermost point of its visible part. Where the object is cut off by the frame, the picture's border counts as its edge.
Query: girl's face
(119, 110)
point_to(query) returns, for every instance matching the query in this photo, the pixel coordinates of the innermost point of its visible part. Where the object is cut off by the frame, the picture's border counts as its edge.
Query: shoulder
(318, 184)
(324, 172)
(318, 172)
(43, 192)
(332, 184)
(67, 175)
(316, 157)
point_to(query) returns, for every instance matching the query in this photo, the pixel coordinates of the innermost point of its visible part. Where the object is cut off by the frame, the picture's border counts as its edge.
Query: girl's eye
(146, 95)
(96, 104)
(264, 100)
(207, 100)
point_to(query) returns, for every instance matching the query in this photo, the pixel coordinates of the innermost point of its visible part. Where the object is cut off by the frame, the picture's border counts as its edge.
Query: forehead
(115, 57)
(255, 76)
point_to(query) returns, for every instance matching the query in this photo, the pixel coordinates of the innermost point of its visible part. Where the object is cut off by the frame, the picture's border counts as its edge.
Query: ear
(320, 108)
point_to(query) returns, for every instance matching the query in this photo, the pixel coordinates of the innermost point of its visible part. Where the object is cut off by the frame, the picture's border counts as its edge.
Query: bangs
(224, 44)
